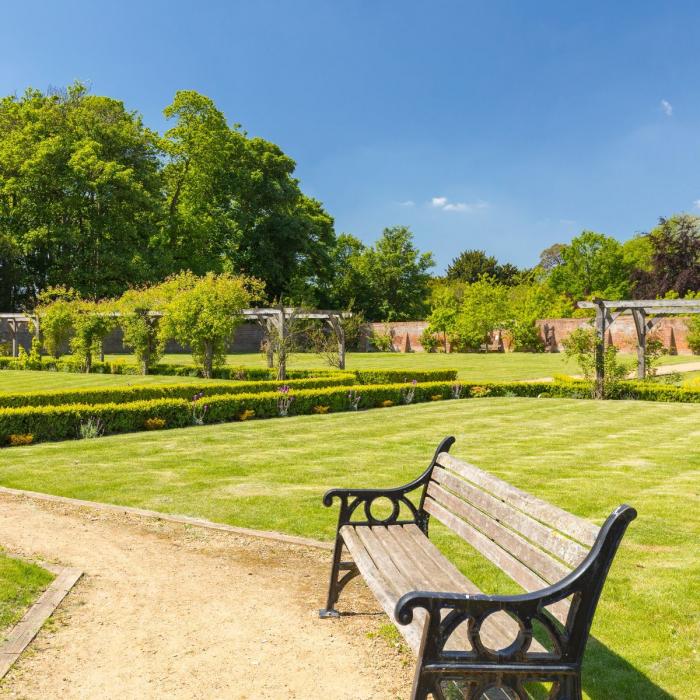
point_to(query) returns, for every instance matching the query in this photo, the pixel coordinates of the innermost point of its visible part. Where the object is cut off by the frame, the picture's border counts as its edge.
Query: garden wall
(672, 331)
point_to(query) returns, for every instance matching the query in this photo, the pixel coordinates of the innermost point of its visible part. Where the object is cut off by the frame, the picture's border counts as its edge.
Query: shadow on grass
(607, 675)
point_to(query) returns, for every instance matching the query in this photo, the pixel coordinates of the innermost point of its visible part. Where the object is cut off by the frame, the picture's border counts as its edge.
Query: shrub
(55, 310)
(140, 325)
(694, 334)
(429, 341)
(321, 410)
(436, 397)
(203, 312)
(15, 440)
(92, 428)
(245, 415)
(154, 423)
(382, 341)
(387, 404)
(92, 321)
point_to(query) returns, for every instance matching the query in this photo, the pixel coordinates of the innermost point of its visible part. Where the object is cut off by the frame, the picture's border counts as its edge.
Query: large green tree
(80, 195)
(233, 204)
(673, 263)
(387, 281)
(591, 265)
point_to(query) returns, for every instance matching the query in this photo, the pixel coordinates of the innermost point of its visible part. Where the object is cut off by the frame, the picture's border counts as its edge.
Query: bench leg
(337, 583)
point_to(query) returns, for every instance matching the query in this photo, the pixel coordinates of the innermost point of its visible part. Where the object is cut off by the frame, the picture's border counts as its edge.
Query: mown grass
(20, 584)
(470, 366)
(13, 380)
(585, 456)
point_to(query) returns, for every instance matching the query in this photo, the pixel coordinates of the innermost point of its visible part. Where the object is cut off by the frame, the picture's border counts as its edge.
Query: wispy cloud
(407, 203)
(444, 204)
(696, 203)
(667, 108)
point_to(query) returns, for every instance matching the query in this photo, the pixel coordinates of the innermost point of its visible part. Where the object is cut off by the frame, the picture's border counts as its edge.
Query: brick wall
(673, 332)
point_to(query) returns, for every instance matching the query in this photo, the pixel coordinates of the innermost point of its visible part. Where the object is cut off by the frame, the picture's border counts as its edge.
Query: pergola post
(13, 330)
(600, 319)
(640, 323)
(337, 326)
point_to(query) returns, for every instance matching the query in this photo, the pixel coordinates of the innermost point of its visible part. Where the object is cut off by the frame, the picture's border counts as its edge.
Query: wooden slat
(503, 560)
(438, 574)
(565, 549)
(383, 590)
(576, 528)
(535, 559)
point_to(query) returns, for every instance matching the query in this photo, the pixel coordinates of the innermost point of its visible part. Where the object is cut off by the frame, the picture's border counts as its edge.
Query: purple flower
(206, 407)
(414, 382)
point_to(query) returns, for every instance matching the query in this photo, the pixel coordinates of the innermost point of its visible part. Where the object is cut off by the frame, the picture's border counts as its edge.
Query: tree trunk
(88, 362)
(208, 360)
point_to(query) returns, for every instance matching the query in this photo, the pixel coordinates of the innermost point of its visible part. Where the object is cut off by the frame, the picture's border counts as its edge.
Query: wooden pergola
(277, 321)
(14, 321)
(646, 314)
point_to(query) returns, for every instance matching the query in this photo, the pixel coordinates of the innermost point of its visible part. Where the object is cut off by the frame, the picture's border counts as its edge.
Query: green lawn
(471, 366)
(586, 456)
(14, 380)
(20, 584)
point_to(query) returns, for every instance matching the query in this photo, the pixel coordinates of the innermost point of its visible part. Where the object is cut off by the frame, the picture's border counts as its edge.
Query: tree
(592, 265)
(527, 303)
(482, 311)
(203, 312)
(389, 280)
(233, 204)
(552, 257)
(445, 300)
(675, 259)
(92, 322)
(139, 320)
(471, 265)
(55, 310)
(80, 195)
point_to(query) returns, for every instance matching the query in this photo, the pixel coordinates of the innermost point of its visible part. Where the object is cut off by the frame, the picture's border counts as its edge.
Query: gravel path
(177, 611)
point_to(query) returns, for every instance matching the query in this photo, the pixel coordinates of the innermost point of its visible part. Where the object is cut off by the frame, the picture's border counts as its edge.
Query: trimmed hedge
(147, 392)
(363, 376)
(67, 364)
(63, 422)
(396, 376)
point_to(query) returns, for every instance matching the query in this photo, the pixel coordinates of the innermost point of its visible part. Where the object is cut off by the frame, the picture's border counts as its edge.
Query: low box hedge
(363, 376)
(396, 376)
(147, 392)
(64, 422)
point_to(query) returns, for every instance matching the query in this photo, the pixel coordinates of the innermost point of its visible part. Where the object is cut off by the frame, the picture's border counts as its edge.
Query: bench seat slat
(503, 560)
(535, 559)
(565, 549)
(398, 559)
(382, 588)
(576, 528)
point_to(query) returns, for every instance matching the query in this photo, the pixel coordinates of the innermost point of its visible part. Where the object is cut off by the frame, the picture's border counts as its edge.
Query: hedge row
(148, 392)
(67, 364)
(64, 422)
(363, 376)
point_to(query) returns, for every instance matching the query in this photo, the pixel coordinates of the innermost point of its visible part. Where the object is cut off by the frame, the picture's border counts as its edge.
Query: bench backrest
(532, 541)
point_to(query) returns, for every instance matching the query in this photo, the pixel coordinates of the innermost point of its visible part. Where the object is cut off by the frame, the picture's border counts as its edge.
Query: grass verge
(21, 584)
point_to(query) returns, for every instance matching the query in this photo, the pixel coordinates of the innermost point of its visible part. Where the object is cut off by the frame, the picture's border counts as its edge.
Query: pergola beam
(640, 309)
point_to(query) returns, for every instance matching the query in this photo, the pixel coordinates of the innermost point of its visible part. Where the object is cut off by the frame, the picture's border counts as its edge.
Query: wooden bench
(475, 644)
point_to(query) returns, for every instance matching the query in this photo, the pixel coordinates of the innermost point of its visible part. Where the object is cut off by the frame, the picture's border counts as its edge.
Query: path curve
(179, 611)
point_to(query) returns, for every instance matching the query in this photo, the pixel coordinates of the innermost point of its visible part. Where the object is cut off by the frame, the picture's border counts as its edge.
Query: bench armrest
(447, 611)
(351, 499)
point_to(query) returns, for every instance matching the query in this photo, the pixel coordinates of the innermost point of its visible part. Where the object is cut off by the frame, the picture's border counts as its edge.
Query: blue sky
(499, 125)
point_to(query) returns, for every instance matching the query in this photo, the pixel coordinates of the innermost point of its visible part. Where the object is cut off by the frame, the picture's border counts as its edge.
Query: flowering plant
(199, 411)
(409, 393)
(354, 398)
(285, 400)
